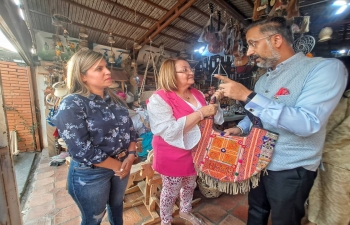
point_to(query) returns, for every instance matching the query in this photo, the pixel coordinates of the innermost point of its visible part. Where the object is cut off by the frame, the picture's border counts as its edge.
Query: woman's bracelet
(201, 114)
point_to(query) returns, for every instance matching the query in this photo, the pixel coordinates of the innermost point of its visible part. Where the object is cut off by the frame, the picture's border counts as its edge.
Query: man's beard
(270, 61)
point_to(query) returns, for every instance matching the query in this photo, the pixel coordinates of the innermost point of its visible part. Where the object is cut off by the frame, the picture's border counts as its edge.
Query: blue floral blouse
(93, 128)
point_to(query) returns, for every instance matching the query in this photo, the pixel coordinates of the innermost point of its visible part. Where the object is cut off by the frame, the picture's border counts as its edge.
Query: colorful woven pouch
(230, 163)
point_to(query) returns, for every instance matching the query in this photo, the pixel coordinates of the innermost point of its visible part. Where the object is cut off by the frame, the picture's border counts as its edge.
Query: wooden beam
(174, 13)
(130, 10)
(104, 14)
(231, 11)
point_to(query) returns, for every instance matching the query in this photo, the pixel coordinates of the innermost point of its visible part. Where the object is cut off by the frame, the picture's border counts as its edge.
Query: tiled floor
(50, 204)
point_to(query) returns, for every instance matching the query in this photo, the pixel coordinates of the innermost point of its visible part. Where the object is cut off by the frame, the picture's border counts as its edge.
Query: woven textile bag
(230, 163)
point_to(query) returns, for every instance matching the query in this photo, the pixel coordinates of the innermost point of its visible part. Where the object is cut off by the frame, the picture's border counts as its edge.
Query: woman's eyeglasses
(186, 70)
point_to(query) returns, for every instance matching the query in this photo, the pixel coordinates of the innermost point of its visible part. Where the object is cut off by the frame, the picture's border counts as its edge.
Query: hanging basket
(207, 191)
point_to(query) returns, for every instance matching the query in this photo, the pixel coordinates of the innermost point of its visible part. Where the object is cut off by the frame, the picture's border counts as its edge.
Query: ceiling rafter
(124, 21)
(104, 14)
(99, 30)
(235, 13)
(180, 17)
(169, 17)
(130, 10)
(250, 3)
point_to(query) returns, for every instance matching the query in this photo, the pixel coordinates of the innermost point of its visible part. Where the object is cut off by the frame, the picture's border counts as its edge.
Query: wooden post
(34, 105)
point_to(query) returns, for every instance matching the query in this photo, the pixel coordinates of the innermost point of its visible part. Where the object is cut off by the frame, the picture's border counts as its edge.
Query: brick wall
(17, 105)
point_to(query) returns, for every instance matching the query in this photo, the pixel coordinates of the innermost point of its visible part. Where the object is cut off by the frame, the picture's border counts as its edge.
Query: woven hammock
(230, 163)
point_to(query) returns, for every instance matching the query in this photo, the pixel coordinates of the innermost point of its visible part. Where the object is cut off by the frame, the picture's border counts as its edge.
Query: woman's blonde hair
(78, 65)
(167, 74)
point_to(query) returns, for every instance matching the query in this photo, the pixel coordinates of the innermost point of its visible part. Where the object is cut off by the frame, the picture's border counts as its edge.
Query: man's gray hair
(274, 25)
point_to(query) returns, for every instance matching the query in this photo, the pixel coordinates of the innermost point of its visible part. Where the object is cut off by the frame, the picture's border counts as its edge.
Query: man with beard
(294, 98)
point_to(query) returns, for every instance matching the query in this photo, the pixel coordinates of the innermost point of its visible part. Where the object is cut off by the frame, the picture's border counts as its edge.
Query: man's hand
(233, 131)
(233, 89)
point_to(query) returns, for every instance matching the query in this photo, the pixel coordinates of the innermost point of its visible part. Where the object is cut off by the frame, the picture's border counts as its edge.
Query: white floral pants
(171, 188)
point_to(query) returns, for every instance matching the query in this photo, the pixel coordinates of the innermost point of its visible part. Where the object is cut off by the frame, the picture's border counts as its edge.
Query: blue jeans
(95, 190)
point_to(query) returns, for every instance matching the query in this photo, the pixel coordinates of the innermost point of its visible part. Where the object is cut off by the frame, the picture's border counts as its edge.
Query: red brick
(8, 63)
(7, 69)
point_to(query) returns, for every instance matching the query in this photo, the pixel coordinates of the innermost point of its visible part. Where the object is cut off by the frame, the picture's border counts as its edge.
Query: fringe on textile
(231, 188)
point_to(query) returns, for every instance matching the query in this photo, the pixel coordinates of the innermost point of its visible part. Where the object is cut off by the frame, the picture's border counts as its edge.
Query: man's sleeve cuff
(256, 105)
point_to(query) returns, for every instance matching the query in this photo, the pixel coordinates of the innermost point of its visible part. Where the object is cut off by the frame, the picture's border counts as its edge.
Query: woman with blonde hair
(95, 125)
(174, 112)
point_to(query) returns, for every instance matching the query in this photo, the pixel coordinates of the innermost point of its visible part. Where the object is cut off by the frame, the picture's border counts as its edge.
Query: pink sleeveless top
(169, 160)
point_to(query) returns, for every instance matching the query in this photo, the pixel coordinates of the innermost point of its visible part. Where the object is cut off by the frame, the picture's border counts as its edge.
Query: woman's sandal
(191, 218)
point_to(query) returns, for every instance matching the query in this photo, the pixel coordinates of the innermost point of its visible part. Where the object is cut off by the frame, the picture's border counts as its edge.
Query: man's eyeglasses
(252, 43)
(186, 70)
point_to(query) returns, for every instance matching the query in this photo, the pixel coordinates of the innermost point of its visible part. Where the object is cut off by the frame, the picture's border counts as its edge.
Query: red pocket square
(282, 91)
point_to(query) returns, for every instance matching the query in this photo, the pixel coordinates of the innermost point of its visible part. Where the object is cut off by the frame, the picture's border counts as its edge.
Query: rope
(142, 88)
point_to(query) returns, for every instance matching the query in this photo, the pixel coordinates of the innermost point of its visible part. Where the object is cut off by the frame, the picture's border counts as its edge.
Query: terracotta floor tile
(75, 221)
(67, 214)
(60, 192)
(61, 184)
(142, 210)
(60, 177)
(241, 212)
(43, 165)
(64, 201)
(36, 200)
(43, 182)
(45, 169)
(38, 212)
(231, 220)
(213, 213)
(227, 202)
(44, 175)
(45, 160)
(42, 189)
(130, 217)
(42, 221)
(62, 168)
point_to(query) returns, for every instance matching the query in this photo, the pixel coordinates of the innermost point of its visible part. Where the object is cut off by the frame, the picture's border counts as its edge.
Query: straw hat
(60, 89)
(325, 34)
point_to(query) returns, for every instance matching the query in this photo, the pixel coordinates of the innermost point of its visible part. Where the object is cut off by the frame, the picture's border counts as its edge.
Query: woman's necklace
(186, 97)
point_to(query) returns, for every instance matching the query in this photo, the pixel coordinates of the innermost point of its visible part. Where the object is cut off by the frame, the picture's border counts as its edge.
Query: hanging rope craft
(144, 95)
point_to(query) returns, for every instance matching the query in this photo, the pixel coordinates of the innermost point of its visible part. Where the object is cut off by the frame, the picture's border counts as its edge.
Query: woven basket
(207, 191)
